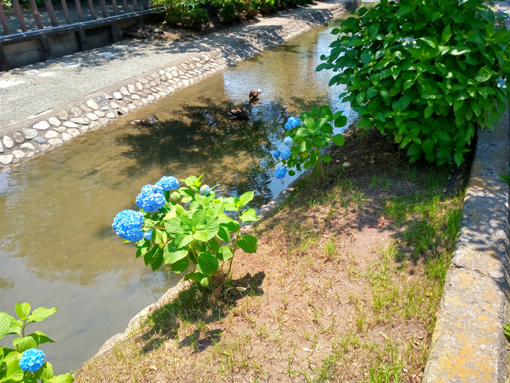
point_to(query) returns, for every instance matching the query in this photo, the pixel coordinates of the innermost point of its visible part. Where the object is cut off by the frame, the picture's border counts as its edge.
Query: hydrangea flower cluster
(31, 360)
(288, 141)
(204, 190)
(168, 183)
(292, 122)
(280, 173)
(285, 155)
(148, 234)
(151, 198)
(501, 83)
(276, 154)
(128, 225)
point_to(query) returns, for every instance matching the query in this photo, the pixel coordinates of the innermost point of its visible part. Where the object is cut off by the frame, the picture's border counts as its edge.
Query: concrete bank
(106, 83)
(468, 344)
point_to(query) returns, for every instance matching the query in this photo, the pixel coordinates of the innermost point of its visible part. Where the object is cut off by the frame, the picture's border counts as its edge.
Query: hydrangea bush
(425, 72)
(179, 226)
(308, 136)
(25, 362)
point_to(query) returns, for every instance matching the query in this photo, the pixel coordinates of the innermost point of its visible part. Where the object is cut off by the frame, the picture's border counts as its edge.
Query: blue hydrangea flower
(288, 141)
(280, 173)
(128, 225)
(285, 154)
(276, 154)
(31, 360)
(168, 183)
(204, 190)
(152, 189)
(150, 202)
(148, 234)
(292, 122)
(501, 83)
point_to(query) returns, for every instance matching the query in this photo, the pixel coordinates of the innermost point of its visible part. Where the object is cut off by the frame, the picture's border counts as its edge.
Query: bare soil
(344, 286)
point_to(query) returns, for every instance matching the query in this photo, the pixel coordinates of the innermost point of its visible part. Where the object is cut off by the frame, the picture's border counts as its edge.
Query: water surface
(57, 244)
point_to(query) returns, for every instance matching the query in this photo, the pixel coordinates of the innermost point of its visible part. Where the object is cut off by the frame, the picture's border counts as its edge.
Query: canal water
(58, 248)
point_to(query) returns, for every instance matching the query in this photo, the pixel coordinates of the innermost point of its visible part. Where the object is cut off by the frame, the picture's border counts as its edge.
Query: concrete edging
(468, 344)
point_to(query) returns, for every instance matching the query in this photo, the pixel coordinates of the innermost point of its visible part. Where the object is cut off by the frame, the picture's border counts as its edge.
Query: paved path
(28, 91)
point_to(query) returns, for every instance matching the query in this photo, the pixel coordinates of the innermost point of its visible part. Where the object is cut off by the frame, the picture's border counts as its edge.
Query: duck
(254, 95)
(238, 114)
(145, 121)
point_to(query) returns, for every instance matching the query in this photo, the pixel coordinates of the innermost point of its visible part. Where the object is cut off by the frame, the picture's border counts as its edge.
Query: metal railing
(17, 23)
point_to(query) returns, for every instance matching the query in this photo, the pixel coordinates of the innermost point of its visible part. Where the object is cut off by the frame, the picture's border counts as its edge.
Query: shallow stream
(57, 245)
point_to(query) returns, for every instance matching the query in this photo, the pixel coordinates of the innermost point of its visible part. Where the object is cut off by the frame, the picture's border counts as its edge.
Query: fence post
(19, 15)
(44, 48)
(66, 11)
(104, 10)
(51, 13)
(78, 9)
(3, 19)
(37, 16)
(91, 9)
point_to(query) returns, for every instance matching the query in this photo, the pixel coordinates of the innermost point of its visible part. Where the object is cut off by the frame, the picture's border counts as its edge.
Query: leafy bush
(230, 12)
(24, 362)
(191, 18)
(187, 225)
(424, 72)
(307, 141)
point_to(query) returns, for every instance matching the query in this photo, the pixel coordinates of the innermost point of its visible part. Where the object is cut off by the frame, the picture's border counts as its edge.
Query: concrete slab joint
(468, 344)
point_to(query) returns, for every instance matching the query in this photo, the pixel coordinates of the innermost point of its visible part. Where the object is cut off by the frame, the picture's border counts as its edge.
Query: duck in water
(254, 95)
(238, 114)
(145, 121)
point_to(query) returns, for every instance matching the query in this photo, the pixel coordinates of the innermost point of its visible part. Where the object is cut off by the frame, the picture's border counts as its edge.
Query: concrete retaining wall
(468, 344)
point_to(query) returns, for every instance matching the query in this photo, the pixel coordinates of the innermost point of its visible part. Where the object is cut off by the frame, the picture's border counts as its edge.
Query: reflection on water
(57, 245)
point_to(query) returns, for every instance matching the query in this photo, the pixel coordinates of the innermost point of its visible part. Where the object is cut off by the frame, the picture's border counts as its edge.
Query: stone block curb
(468, 344)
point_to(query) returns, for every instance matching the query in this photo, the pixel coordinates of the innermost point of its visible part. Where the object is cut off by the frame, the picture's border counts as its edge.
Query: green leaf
(320, 140)
(249, 216)
(43, 338)
(201, 236)
(14, 373)
(24, 343)
(22, 310)
(224, 234)
(225, 253)
(207, 263)
(212, 226)
(428, 145)
(246, 198)
(45, 372)
(360, 97)
(374, 29)
(366, 56)
(180, 266)
(404, 10)
(248, 243)
(340, 122)
(338, 139)
(172, 255)
(458, 158)
(326, 159)
(414, 149)
(5, 325)
(372, 92)
(64, 378)
(40, 314)
(428, 111)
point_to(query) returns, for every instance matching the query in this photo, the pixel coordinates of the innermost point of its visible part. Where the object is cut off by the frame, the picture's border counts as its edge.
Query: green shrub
(230, 12)
(191, 18)
(24, 362)
(425, 72)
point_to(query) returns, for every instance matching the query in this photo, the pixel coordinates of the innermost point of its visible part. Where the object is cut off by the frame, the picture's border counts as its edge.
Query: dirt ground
(344, 286)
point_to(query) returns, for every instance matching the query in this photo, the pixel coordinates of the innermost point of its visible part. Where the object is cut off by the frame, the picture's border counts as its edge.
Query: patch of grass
(344, 287)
